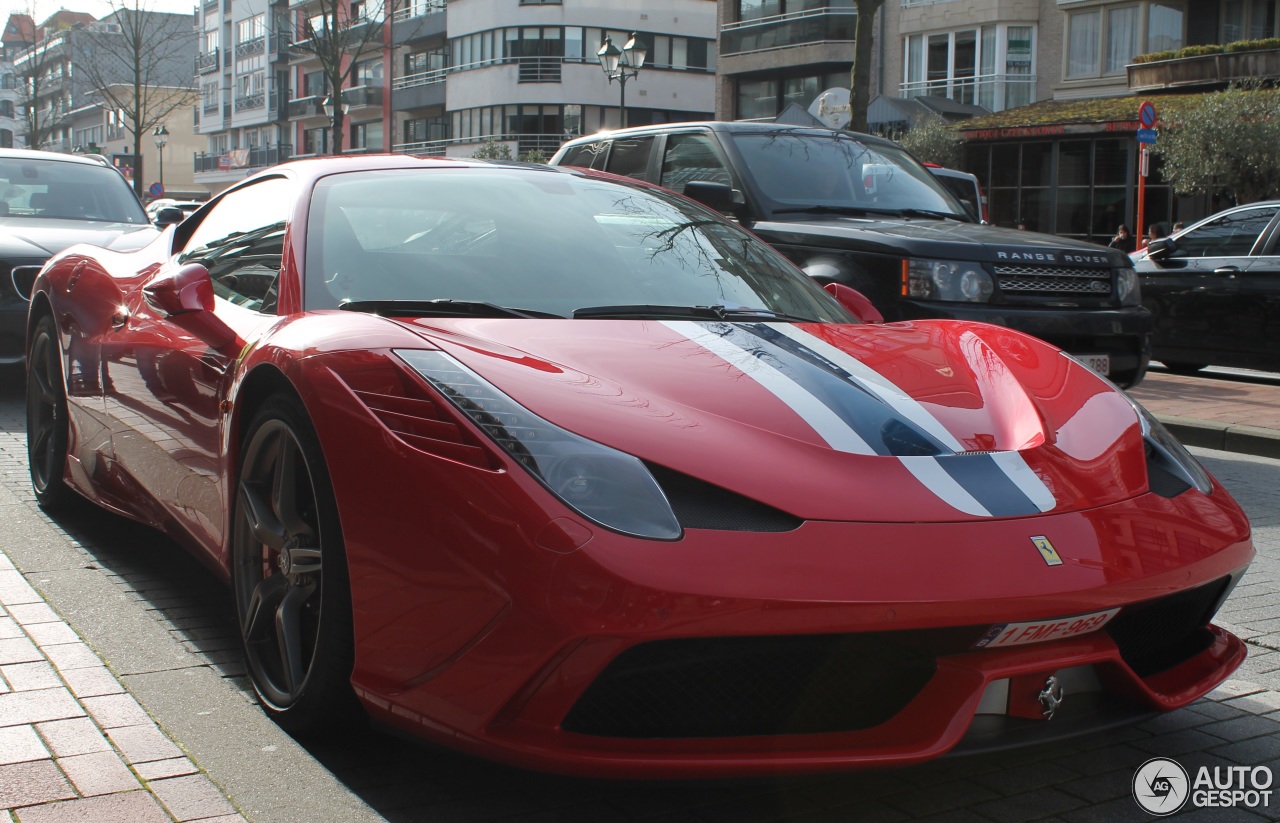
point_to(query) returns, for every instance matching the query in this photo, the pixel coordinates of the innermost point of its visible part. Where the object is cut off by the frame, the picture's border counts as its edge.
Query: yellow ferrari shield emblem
(1047, 551)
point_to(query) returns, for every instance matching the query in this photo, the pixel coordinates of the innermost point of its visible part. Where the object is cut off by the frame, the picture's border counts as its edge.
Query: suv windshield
(840, 173)
(540, 242)
(53, 189)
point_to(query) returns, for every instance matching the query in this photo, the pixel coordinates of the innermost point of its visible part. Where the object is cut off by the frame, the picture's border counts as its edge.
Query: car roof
(32, 154)
(311, 169)
(729, 127)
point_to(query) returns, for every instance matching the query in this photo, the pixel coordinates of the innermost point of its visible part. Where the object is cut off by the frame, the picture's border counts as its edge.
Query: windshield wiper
(941, 215)
(853, 210)
(442, 307)
(647, 312)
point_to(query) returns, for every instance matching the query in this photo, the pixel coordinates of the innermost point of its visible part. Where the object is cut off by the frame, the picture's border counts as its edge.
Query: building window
(1102, 41)
(1248, 20)
(6, 139)
(315, 141)
(367, 135)
(764, 99)
(251, 28)
(6, 108)
(992, 66)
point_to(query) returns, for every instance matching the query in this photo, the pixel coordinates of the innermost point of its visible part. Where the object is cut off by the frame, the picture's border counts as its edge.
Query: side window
(241, 243)
(1232, 235)
(689, 158)
(630, 157)
(587, 156)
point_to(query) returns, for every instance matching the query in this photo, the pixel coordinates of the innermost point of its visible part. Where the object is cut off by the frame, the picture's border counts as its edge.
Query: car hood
(37, 238)
(925, 421)
(922, 237)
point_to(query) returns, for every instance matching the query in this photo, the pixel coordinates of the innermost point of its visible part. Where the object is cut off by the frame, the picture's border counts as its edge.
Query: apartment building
(242, 70)
(19, 35)
(441, 77)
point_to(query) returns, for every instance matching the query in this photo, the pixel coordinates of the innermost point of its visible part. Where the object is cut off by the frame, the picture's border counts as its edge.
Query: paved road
(163, 625)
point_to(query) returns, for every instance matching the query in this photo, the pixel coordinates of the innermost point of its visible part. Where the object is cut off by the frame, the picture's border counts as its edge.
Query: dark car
(48, 202)
(860, 210)
(964, 186)
(1214, 291)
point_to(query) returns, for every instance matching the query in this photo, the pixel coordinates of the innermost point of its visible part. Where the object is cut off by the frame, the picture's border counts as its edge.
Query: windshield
(803, 170)
(54, 189)
(540, 241)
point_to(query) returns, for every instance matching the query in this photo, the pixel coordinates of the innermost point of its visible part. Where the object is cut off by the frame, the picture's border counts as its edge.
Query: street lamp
(328, 106)
(161, 136)
(622, 64)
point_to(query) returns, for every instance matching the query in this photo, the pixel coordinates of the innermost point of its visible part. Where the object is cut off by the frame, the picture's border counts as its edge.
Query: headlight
(607, 486)
(952, 280)
(1127, 288)
(1168, 452)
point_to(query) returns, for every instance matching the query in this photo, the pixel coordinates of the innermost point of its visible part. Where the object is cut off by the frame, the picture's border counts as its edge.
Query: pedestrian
(1177, 227)
(1022, 226)
(1124, 241)
(1154, 232)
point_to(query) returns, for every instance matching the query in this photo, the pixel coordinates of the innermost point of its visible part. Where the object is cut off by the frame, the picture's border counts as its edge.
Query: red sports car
(570, 472)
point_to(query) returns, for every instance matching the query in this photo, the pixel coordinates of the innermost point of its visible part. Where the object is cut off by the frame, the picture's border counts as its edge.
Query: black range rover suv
(862, 211)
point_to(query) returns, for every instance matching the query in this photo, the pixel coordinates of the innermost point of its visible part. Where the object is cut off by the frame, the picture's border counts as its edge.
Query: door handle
(1230, 271)
(119, 318)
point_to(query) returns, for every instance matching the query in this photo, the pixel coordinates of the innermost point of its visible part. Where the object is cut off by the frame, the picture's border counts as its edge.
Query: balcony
(1203, 71)
(249, 102)
(306, 107)
(418, 91)
(207, 62)
(787, 30)
(418, 20)
(258, 157)
(996, 92)
(545, 143)
(539, 69)
(250, 48)
(362, 96)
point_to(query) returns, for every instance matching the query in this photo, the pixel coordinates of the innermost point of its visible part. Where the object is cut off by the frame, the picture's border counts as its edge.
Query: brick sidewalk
(74, 744)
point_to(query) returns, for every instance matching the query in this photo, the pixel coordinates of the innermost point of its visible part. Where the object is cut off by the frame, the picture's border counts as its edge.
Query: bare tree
(138, 63)
(339, 34)
(860, 74)
(42, 92)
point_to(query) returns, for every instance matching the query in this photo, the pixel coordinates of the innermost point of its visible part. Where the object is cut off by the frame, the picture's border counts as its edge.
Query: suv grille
(1050, 281)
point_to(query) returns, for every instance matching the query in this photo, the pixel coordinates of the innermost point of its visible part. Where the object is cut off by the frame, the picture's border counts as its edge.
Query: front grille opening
(1156, 635)
(754, 686)
(701, 505)
(1058, 282)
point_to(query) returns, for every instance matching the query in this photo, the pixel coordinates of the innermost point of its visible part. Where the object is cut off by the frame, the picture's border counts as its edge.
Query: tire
(289, 575)
(1184, 368)
(48, 430)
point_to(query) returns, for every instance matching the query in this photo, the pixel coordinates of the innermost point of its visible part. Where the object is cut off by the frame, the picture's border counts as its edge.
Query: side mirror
(1161, 247)
(716, 196)
(169, 216)
(855, 302)
(189, 289)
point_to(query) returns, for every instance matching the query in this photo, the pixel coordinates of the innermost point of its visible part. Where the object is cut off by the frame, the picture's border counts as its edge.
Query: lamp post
(622, 64)
(161, 136)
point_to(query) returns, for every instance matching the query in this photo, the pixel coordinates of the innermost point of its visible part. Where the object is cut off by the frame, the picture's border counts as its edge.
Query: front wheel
(47, 424)
(289, 574)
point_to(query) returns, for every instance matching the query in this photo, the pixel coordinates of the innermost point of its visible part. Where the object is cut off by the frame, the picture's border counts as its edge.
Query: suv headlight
(604, 485)
(1127, 288)
(957, 281)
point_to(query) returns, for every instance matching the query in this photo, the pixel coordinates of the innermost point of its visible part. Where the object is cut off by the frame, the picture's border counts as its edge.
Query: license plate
(1040, 631)
(1101, 363)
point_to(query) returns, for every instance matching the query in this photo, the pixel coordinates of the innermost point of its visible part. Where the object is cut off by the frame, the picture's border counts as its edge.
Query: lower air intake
(749, 686)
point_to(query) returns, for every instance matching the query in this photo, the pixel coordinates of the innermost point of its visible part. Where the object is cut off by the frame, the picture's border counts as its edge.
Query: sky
(98, 8)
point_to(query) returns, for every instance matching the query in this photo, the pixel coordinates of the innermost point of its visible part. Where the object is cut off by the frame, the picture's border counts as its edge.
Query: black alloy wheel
(289, 574)
(47, 424)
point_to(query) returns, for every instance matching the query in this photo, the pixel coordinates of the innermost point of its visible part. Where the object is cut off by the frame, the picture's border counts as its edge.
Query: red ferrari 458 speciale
(569, 471)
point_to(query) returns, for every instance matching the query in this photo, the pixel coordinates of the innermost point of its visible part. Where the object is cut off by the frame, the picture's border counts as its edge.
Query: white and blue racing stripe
(814, 378)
